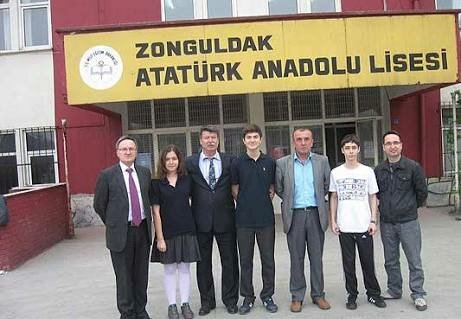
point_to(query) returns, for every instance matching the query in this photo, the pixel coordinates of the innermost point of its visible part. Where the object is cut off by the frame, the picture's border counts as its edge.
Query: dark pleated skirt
(181, 248)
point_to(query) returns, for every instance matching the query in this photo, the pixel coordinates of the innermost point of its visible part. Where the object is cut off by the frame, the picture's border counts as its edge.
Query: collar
(261, 156)
(399, 164)
(203, 157)
(296, 158)
(124, 167)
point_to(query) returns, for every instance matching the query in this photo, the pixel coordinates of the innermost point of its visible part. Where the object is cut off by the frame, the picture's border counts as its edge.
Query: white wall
(26, 90)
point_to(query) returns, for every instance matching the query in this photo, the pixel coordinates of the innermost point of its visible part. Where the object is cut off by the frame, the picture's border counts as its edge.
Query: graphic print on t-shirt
(352, 189)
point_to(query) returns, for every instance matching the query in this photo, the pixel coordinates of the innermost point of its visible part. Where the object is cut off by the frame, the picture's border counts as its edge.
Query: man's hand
(372, 229)
(335, 228)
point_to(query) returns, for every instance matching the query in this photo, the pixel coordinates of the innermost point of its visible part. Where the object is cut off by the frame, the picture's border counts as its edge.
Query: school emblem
(101, 67)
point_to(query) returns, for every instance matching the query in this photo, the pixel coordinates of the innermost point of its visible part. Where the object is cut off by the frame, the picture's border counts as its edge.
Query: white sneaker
(420, 304)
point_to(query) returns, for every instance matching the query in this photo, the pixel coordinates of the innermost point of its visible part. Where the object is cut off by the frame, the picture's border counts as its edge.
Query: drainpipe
(70, 228)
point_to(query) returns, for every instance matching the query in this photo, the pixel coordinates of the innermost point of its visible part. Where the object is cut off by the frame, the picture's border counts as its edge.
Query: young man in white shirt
(353, 213)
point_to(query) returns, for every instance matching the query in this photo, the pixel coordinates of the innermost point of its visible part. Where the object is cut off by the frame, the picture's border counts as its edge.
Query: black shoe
(378, 301)
(232, 309)
(173, 312)
(205, 309)
(351, 304)
(246, 306)
(270, 305)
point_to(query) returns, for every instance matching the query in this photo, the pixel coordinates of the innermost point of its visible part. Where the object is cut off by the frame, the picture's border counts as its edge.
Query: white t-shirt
(353, 187)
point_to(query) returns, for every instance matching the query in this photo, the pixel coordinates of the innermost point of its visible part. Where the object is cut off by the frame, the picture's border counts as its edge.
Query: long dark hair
(161, 166)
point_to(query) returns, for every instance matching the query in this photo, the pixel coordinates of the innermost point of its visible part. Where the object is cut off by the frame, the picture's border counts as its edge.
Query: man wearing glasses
(122, 201)
(402, 189)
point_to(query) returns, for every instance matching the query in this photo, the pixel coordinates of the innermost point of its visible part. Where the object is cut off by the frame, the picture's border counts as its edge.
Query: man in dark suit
(121, 199)
(214, 212)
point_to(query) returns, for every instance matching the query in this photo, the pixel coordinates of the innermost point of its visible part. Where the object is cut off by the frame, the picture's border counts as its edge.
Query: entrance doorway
(334, 132)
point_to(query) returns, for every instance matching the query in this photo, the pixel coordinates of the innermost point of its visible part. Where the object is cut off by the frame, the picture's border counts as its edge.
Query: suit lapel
(291, 173)
(199, 172)
(120, 181)
(316, 170)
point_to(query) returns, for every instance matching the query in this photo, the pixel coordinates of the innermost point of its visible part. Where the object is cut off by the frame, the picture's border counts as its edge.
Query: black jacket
(401, 190)
(112, 205)
(212, 210)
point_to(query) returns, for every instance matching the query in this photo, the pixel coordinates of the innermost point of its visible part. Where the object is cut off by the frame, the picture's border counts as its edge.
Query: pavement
(74, 279)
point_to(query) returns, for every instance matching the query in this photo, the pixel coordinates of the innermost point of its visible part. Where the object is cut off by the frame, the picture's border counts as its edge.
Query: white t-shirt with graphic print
(353, 187)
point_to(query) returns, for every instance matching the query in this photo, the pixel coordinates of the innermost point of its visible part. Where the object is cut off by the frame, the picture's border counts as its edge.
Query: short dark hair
(209, 129)
(123, 138)
(252, 128)
(392, 132)
(161, 166)
(302, 129)
(350, 138)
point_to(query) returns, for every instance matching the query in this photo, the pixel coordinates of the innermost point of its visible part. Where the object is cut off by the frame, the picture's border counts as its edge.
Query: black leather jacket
(402, 190)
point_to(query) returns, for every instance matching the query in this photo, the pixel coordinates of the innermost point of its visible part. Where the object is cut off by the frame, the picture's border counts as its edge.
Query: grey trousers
(305, 231)
(409, 235)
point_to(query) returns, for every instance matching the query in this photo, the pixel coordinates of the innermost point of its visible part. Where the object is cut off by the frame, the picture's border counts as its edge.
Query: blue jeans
(409, 235)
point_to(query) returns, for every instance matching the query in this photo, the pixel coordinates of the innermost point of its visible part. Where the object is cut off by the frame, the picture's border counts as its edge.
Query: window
(275, 106)
(203, 110)
(283, 6)
(169, 113)
(145, 155)
(339, 103)
(5, 32)
(448, 4)
(369, 100)
(178, 10)
(8, 165)
(178, 121)
(27, 157)
(24, 24)
(323, 6)
(219, 8)
(41, 155)
(306, 105)
(139, 115)
(277, 141)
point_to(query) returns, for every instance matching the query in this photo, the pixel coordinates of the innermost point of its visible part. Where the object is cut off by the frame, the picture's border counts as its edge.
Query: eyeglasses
(126, 149)
(395, 143)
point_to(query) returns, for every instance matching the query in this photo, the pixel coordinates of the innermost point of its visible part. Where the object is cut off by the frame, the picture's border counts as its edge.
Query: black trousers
(265, 237)
(131, 268)
(227, 245)
(364, 243)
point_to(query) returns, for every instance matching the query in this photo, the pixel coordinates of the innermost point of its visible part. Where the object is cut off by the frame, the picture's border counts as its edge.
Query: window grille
(169, 113)
(27, 157)
(203, 110)
(139, 115)
(369, 101)
(145, 154)
(234, 108)
(306, 105)
(277, 141)
(233, 141)
(275, 106)
(195, 142)
(317, 135)
(177, 139)
(339, 103)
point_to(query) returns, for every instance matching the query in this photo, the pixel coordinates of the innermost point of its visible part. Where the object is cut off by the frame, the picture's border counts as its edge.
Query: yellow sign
(250, 57)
